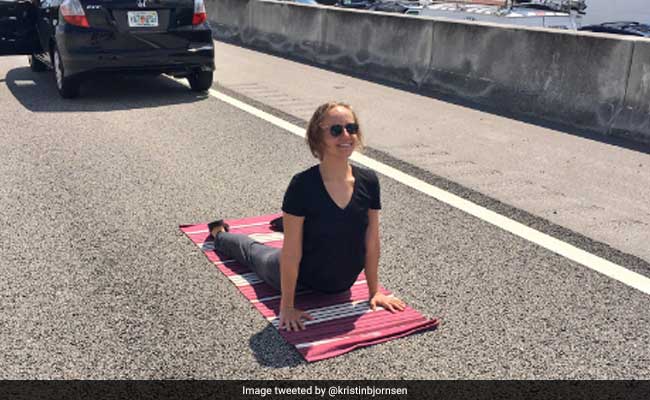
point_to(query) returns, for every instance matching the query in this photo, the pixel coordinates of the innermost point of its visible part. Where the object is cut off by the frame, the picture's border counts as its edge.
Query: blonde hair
(314, 134)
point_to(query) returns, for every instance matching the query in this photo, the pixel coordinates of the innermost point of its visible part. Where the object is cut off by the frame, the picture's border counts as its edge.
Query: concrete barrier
(559, 76)
(634, 119)
(229, 18)
(592, 81)
(391, 47)
(288, 29)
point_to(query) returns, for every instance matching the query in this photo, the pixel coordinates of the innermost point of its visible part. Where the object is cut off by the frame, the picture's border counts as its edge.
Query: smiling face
(319, 128)
(343, 145)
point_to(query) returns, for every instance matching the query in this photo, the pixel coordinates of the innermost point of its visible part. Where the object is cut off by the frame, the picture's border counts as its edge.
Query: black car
(358, 4)
(620, 28)
(79, 38)
(393, 6)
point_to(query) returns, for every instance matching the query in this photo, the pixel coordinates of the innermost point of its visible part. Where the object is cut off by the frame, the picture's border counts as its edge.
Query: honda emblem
(142, 3)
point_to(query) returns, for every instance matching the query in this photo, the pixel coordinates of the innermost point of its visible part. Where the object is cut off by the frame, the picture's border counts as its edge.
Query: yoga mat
(342, 322)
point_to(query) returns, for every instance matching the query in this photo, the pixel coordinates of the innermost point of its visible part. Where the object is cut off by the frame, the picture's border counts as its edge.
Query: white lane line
(557, 246)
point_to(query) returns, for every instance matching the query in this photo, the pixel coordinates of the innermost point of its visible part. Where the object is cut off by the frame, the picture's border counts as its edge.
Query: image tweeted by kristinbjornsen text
(331, 391)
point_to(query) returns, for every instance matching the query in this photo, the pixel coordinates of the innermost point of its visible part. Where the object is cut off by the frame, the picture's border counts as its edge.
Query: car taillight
(200, 16)
(73, 13)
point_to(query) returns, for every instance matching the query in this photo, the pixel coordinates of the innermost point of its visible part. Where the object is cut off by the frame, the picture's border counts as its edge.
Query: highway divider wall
(635, 115)
(589, 81)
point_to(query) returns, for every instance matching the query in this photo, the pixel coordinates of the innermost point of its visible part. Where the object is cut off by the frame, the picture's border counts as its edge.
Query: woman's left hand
(389, 303)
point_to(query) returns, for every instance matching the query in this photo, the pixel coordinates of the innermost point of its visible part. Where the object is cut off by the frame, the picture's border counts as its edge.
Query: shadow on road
(104, 92)
(271, 350)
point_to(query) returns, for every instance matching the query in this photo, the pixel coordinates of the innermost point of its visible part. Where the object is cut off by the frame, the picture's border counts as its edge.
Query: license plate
(138, 19)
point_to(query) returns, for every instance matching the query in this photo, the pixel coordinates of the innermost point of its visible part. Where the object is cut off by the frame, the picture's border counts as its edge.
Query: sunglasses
(337, 130)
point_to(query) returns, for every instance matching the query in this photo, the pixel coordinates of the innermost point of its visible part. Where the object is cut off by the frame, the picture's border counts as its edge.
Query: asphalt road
(98, 282)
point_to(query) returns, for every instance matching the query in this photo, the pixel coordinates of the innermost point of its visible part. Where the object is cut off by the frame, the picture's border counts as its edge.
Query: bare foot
(217, 227)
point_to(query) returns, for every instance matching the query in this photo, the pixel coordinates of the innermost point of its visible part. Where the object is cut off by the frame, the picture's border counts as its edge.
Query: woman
(331, 223)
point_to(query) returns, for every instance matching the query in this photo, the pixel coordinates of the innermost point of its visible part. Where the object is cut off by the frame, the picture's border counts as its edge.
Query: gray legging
(263, 260)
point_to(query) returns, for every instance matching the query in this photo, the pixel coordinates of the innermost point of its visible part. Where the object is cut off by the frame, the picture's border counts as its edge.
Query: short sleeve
(375, 195)
(294, 199)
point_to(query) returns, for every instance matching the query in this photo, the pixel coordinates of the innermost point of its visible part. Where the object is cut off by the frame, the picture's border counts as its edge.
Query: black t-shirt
(333, 244)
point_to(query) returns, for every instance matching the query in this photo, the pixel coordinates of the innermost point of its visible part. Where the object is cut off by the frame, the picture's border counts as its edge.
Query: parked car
(79, 38)
(392, 6)
(620, 28)
(522, 14)
(359, 4)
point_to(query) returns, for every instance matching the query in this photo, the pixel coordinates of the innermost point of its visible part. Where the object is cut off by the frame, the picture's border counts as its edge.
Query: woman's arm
(290, 317)
(372, 252)
(390, 303)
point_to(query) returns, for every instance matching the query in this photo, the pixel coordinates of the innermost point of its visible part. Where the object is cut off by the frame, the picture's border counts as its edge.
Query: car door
(47, 15)
(18, 27)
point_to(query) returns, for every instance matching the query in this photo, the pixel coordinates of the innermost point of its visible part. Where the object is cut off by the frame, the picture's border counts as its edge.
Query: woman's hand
(291, 319)
(389, 303)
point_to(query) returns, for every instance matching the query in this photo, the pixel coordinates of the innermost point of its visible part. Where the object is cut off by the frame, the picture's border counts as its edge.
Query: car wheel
(36, 65)
(68, 87)
(200, 81)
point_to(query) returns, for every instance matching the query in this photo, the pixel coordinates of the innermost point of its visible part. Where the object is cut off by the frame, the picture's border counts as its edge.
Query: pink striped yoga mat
(342, 322)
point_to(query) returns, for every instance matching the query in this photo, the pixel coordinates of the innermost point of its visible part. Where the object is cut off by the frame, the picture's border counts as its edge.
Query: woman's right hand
(291, 319)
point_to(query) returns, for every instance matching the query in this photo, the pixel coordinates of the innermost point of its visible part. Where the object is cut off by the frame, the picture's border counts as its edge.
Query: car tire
(200, 81)
(68, 87)
(36, 65)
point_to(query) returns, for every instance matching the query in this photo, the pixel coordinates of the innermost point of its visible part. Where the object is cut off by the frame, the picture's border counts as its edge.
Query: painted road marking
(548, 242)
